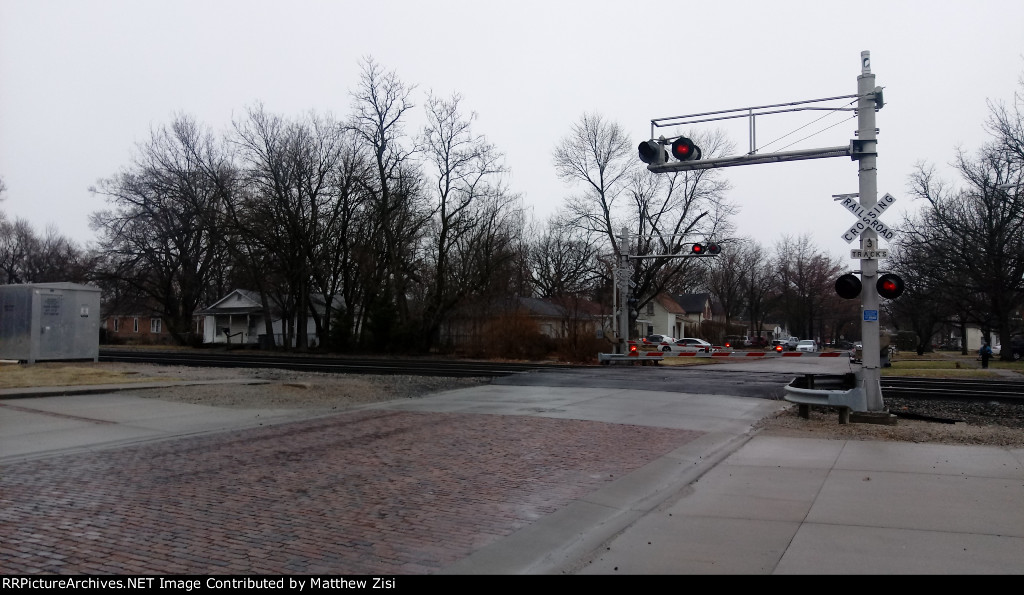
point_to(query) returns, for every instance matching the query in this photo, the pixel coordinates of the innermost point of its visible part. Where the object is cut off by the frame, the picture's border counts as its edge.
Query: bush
(513, 336)
(582, 350)
(906, 340)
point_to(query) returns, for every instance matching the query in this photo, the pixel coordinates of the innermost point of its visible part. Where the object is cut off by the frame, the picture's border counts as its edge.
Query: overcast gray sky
(81, 82)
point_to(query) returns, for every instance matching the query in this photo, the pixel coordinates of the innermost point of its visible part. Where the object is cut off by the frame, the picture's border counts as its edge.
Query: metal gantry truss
(624, 271)
(868, 100)
(752, 157)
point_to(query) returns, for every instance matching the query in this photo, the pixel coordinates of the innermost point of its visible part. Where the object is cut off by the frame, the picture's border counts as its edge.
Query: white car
(807, 345)
(659, 342)
(692, 344)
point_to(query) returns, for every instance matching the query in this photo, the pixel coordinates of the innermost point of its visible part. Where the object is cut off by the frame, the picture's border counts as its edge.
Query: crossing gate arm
(750, 354)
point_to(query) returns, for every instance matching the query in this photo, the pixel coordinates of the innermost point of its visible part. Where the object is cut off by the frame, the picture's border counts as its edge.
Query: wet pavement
(514, 478)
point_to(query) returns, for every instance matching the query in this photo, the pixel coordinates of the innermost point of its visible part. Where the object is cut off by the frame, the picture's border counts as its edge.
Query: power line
(805, 126)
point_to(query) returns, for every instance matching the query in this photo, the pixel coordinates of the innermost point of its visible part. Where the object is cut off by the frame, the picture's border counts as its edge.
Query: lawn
(57, 374)
(942, 365)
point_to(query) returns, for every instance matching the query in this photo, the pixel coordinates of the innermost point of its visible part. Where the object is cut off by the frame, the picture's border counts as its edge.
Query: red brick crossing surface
(368, 492)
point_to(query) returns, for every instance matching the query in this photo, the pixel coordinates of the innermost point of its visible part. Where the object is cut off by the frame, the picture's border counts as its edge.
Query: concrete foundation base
(873, 417)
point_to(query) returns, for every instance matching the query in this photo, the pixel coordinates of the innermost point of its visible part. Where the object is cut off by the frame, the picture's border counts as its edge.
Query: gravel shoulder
(825, 424)
(286, 389)
(980, 424)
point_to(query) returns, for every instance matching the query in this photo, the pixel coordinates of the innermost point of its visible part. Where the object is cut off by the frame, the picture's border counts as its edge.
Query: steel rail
(380, 366)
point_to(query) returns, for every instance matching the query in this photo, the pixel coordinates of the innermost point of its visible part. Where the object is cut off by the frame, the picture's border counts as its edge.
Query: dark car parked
(1017, 344)
(758, 342)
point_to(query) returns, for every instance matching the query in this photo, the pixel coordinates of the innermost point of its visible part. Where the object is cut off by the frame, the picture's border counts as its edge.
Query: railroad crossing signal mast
(869, 99)
(862, 149)
(623, 271)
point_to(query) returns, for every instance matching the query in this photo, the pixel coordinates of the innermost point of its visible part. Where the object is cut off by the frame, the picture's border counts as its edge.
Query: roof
(245, 301)
(239, 301)
(692, 303)
(669, 304)
(63, 286)
(567, 308)
(541, 307)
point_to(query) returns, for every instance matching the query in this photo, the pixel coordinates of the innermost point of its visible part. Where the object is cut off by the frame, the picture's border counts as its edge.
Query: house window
(136, 329)
(650, 308)
(154, 325)
(117, 324)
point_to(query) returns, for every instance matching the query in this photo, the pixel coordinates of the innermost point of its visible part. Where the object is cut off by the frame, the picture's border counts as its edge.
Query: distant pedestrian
(986, 352)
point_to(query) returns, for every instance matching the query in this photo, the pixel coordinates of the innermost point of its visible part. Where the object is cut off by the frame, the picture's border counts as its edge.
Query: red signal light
(778, 348)
(697, 249)
(684, 149)
(890, 286)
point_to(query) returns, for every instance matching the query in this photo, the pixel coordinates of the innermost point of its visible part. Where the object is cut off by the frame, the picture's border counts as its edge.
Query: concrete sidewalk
(805, 506)
(726, 502)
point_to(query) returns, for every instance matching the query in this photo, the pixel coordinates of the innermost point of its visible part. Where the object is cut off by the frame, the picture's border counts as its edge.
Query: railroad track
(337, 365)
(892, 387)
(953, 390)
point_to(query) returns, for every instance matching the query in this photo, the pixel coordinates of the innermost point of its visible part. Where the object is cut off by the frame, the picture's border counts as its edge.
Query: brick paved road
(371, 492)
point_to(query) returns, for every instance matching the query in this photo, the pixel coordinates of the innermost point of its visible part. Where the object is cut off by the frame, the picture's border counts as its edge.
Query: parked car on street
(758, 342)
(734, 342)
(692, 344)
(792, 342)
(1016, 347)
(807, 345)
(662, 342)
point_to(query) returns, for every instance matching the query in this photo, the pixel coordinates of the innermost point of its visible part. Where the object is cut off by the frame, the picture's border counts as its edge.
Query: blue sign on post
(871, 315)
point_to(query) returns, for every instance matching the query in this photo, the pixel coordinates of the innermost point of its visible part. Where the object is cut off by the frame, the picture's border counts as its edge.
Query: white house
(674, 315)
(238, 319)
(662, 316)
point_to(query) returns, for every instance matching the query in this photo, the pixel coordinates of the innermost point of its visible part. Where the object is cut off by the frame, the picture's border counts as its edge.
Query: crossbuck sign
(868, 218)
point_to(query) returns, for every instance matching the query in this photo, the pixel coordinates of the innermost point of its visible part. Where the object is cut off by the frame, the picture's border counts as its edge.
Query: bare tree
(53, 258)
(339, 256)
(927, 300)
(757, 282)
(474, 214)
(1006, 125)
(163, 235)
(398, 211)
(291, 213)
(662, 213)
(564, 260)
(725, 280)
(598, 155)
(805, 285)
(977, 234)
(17, 241)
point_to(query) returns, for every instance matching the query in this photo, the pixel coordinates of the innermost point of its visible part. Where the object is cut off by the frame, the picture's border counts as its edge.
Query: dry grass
(688, 361)
(950, 374)
(68, 374)
(952, 366)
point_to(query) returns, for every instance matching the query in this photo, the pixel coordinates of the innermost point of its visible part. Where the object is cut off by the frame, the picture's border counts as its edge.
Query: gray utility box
(49, 321)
